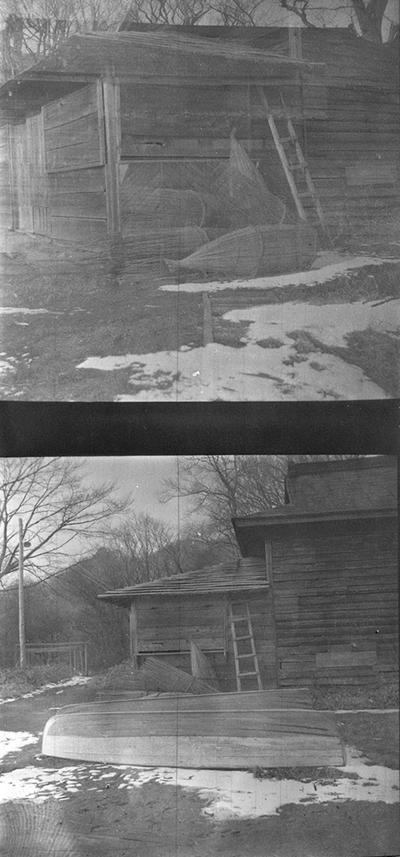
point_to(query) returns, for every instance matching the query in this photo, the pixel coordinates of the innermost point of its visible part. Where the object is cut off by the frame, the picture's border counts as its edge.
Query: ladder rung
(240, 619)
(246, 637)
(249, 655)
(285, 139)
(242, 674)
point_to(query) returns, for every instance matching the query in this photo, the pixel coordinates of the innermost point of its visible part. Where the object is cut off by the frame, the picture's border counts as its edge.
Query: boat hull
(235, 732)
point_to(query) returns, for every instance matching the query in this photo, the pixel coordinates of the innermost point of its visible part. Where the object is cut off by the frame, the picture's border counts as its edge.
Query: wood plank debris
(201, 666)
(166, 677)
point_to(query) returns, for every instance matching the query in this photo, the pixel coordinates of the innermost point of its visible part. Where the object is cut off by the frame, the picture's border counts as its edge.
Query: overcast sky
(143, 476)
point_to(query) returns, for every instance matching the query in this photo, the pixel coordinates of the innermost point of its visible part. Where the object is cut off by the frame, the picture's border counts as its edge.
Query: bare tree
(366, 17)
(222, 486)
(33, 29)
(147, 549)
(57, 507)
(177, 12)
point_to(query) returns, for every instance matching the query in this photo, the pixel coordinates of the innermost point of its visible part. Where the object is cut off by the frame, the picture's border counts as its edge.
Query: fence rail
(74, 654)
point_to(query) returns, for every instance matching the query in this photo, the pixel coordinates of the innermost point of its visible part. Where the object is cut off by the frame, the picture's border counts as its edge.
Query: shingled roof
(231, 576)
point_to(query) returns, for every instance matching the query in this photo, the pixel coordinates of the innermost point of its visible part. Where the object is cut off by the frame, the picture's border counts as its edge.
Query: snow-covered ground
(76, 679)
(326, 267)
(268, 366)
(226, 794)
(13, 742)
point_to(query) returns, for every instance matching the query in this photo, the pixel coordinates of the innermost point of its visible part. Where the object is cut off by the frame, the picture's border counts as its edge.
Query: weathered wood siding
(166, 625)
(336, 603)
(74, 158)
(354, 153)
(364, 484)
(179, 137)
(6, 213)
(22, 178)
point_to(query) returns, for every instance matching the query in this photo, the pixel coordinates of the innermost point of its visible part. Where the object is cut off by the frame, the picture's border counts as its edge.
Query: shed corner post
(270, 578)
(14, 212)
(133, 634)
(112, 128)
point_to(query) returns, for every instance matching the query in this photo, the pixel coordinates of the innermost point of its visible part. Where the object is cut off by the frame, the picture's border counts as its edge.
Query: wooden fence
(74, 654)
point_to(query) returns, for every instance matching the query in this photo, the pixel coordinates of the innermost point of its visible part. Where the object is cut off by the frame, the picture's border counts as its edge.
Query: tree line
(35, 28)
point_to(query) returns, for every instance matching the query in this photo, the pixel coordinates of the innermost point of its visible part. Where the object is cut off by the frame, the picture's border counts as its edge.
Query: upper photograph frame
(204, 211)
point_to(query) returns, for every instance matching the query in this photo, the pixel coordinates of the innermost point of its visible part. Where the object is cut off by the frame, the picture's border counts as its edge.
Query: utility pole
(21, 612)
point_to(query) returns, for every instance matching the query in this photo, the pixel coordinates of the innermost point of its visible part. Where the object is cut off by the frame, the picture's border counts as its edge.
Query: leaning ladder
(242, 638)
(294, 163)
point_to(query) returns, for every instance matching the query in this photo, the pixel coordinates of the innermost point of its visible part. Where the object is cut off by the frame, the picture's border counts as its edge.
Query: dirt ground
(94, 814)
(75, 311)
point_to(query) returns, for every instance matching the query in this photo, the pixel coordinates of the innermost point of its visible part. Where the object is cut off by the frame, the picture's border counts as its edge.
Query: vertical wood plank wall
(75, 157)
(336, 604)
(6, 183)
(165, 625)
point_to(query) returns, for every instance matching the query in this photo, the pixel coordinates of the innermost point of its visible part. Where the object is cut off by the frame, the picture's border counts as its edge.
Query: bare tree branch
(56, 506)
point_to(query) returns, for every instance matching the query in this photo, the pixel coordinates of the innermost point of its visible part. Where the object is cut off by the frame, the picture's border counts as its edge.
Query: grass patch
(121, 676)
(16, 681)
(304, 774)
(376, 736)
(381, 695)
(375, 352)
(270, 342)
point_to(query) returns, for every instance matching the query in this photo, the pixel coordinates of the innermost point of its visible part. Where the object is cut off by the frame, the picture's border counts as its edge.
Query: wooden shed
(122, 139)
(119, 135)
(315, 588)
(333, 566)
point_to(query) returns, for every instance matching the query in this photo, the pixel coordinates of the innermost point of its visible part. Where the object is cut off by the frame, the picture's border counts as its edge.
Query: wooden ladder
(243, 620)
(294, 164)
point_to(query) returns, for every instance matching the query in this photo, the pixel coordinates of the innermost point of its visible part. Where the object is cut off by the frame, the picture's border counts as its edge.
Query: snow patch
(23, 310)
(329, 323)
(270, 365)
(13, 742)
(227, 794)
(76, 679)
(6, 366)
(318, 274)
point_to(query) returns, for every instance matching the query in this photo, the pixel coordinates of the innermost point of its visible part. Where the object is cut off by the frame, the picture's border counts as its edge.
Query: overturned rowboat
(253, 251)
(216, 730)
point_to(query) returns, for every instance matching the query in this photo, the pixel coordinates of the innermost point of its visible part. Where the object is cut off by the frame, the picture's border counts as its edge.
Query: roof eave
(126, 599)
(293, 516)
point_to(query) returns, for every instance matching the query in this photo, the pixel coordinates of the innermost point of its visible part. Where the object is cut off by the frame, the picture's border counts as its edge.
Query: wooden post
(85, 656)
(207, 320)
(112, 123)
(295, 43)
(268, 561)
(12, 178)
(21, 611)
(133, 637)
